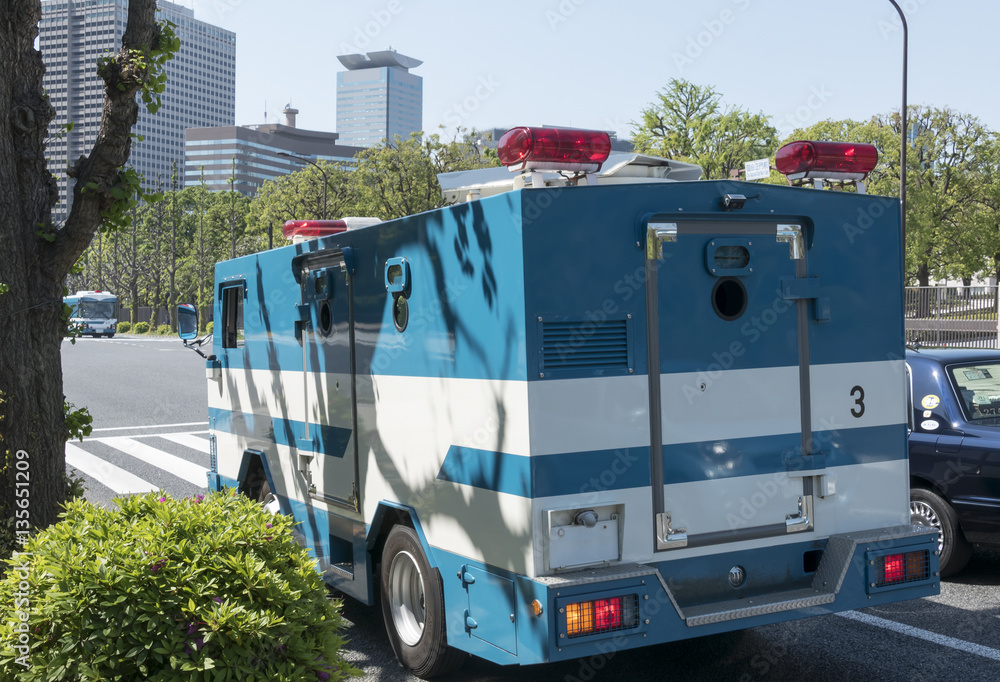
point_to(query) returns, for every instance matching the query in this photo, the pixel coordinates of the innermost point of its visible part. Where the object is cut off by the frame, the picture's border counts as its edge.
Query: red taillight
(898, 569)
(894, 568)
(830, 160)
(601, 615)
(554, 148)
(307, 229)
(607, 614)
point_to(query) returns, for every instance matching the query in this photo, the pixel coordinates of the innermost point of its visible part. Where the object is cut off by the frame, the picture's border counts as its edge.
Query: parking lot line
(927, 635)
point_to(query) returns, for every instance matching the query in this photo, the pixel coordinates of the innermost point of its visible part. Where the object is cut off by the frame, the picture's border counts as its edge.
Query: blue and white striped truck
(594, 402)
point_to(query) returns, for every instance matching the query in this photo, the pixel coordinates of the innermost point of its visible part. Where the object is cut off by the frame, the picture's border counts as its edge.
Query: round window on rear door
(729, 298)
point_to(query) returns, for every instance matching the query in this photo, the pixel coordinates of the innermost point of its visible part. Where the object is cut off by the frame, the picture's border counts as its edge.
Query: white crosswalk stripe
(188, 440)
(178, 466)
(105, 473)
(173, 455)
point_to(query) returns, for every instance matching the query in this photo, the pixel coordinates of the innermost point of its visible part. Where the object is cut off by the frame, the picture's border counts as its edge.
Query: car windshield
(978, 388)
(96, 310)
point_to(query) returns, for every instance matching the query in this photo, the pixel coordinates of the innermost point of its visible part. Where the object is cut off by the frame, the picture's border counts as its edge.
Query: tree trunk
(36, 258)
(172, 267)
(923, 293)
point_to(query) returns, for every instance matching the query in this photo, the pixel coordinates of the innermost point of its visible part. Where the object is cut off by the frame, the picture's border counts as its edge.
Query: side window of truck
(232, 315)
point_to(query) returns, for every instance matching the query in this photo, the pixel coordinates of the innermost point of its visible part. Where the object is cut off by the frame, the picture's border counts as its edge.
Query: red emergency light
(826, 160)
(527, 148)
(309, 229)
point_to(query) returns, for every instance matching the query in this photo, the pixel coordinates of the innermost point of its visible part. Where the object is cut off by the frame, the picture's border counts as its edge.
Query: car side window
(978, 390)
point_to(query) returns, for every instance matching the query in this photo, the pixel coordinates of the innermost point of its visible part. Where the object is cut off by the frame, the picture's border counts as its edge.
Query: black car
(954, 415)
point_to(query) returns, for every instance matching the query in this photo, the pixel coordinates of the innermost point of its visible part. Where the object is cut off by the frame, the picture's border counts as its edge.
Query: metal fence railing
(961, 317)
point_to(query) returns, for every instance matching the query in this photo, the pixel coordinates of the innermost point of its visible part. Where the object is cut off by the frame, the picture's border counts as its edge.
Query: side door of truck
(326, 442)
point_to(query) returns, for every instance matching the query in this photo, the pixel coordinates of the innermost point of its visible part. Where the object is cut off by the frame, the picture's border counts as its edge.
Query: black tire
(110, 336)
(930, 509)
(413, 607)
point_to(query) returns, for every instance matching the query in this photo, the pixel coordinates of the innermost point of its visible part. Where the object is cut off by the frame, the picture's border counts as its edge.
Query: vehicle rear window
(978, 390)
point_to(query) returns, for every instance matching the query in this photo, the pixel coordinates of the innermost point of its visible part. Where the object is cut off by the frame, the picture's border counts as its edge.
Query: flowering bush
(161, 589)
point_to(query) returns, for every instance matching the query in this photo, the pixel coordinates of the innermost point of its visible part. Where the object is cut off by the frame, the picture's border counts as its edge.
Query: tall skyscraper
(245, 157)
(200, 89)
(378, 98)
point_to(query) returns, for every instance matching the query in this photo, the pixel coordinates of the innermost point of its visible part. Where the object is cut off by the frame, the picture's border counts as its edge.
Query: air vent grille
(585, 345)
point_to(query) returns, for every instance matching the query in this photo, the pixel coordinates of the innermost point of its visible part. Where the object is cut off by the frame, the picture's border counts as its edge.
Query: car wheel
(111, 336)
(413, 607)
(930, 509)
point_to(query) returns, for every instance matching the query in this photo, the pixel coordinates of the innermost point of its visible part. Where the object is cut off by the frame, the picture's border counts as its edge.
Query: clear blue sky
(597, 63)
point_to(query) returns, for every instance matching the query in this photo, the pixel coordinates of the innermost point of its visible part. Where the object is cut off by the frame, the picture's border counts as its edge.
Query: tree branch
(97, 175)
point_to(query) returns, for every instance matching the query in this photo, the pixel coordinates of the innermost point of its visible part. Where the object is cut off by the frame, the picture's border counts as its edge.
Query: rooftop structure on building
(378, 98)
(245, 157)
(200, 89)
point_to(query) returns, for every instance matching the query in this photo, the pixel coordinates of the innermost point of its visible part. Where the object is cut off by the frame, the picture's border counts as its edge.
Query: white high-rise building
(378, 98)
(200, 89)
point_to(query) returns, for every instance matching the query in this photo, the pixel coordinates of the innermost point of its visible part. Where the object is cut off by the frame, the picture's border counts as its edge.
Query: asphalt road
(148, 399)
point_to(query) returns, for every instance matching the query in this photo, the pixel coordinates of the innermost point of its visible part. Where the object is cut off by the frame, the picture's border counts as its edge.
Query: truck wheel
(930, 509)
(413, 607)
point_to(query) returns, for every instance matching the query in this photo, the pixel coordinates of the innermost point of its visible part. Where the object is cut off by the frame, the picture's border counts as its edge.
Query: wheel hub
(923, 514)
(406, 598)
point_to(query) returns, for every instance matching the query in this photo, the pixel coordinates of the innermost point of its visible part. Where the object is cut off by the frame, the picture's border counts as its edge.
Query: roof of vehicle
(620, 168)
(954, 355)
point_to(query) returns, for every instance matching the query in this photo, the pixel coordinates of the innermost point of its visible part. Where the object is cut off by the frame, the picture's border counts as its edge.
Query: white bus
(95, 312)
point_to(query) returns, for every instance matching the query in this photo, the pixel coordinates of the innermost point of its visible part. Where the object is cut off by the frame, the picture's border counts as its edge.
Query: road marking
(943, 640)
(188, 440)
(105, 473)
(172, 464)
(150, 426)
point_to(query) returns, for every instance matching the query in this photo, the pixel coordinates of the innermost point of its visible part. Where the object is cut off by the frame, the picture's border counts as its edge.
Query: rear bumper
(847, 577)
(667, 609)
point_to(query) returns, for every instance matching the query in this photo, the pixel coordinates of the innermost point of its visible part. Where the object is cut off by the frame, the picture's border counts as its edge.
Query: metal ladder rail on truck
(458, 403)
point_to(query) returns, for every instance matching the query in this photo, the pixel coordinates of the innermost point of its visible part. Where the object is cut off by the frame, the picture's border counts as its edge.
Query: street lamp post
(904, 141)
(302, 159)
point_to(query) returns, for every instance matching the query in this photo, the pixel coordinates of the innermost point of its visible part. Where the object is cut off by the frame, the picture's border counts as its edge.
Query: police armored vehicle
(596, 402)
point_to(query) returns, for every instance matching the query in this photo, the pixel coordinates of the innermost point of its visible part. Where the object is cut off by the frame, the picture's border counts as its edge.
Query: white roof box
(620, 168)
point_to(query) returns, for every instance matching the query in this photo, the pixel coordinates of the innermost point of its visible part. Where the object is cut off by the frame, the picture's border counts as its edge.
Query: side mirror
(187, 321)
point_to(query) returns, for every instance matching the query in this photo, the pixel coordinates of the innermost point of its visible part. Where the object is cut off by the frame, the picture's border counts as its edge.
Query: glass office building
(200, 89)
(378, 98)
(245, 157)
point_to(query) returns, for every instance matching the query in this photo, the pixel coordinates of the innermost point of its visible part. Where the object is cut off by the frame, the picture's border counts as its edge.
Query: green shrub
(208, 327)
(161, 589)
(124, 327)
(141, 327)
(163, 330)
